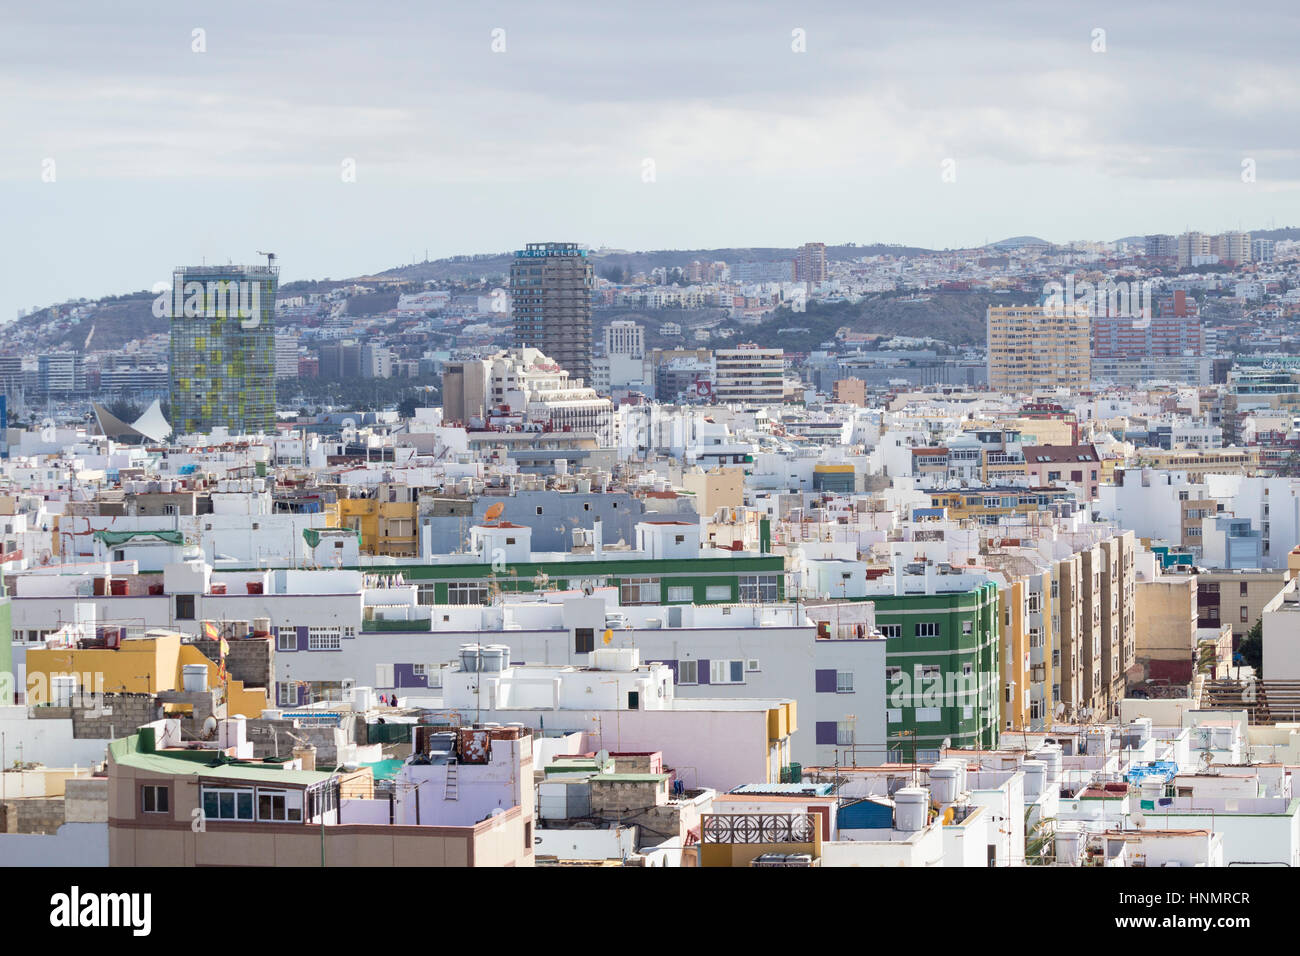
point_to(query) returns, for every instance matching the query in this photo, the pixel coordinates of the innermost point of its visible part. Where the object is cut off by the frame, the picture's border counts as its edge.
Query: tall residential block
(550, 289)
(1034, 347)
(223, 348)
(749, 375)
(810, 262)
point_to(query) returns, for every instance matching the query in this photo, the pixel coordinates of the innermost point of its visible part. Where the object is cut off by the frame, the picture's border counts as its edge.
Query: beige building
(1031, 348)
(719, 488)
(1166, 628)
(850, 391)
(171, 805)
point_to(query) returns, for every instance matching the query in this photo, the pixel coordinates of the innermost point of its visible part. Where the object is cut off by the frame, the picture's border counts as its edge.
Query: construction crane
(270, 258)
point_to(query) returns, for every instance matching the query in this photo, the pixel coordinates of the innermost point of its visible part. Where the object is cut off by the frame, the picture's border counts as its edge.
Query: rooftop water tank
(1035, 778)
(911, 805)
(194, 678)
(63, 687)
(943, 782)
(1069, 846)
(469, 654)
(495, 658)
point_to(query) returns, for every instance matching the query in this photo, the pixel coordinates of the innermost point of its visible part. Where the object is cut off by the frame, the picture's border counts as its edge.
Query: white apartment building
(749, 375)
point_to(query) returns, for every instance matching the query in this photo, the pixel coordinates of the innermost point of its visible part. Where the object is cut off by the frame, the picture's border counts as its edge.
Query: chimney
(307, 755)
(597, 539)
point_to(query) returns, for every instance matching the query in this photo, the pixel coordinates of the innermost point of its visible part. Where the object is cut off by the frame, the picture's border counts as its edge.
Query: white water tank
(943, 782)
(63, 687)
(1069, 846)
(194, 678)
(1051, 756)
(911, 806)
(495, 658)
(1035, 778)
(469, 654)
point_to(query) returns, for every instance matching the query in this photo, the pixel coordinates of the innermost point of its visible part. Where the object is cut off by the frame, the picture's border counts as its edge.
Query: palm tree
(1039, 837)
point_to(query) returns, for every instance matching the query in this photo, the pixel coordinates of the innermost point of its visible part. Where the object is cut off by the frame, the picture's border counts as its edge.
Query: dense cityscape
(710, 436)
(610, 575)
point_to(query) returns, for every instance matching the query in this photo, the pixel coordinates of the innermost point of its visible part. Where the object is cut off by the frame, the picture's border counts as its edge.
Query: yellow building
(1032, 348)
(140, 665)
(386, 520)
(1197, 463)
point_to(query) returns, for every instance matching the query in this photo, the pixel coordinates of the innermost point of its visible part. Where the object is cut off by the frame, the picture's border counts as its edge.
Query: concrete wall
(72, 845)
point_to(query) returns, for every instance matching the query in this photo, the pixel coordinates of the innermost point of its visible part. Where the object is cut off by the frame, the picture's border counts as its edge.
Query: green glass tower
(223, 348)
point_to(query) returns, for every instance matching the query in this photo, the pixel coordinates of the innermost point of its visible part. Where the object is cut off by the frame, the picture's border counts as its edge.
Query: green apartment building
(759, 578)
(223, 348)
(941, 670)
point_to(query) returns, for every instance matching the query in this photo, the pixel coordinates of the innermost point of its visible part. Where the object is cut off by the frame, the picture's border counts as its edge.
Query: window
(967, 627)
(727, 672)
(468, 592)
(967, 669)
(927, 671)
(584, 640)
(185, 607)
(688, 672)
(682, 595)
(287, 695)
(279, 806)
(419, 670)
(717, 592)
(891, 630)
(895, 715)
(927, 629)
(227, 803)
(1243, 588)
(753, 665)
(286, 638)
(844, 682)
(1245, 614)
(323, 639)
(844, 734)
(928, 715)
(758, 588)
(639, 591)
(153, 799)
(893, 673)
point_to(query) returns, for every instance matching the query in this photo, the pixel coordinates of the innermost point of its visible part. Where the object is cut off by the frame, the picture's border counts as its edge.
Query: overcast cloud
(162, 155)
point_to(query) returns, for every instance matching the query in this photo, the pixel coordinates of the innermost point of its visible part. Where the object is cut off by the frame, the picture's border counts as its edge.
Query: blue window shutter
(702, 676)
(825, 681)
(826, 734)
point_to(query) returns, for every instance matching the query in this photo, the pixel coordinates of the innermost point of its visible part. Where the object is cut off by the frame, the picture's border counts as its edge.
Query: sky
(352, 137)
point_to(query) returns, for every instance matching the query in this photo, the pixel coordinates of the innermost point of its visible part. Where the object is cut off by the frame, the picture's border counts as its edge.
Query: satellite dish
(209, 727)
(947, 744)
(602, 758)
(1060, 708)
(1139, 821)
(608, 636)
(494, 512)
(588, 588)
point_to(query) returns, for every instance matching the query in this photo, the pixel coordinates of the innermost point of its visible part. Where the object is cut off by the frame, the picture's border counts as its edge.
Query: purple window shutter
(302, 637)
(826, 734)
(702, 671)
(826, 682)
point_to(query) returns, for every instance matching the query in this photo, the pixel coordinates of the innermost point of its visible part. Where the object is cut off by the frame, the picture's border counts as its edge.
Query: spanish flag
(209, 630)
(225, 649)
